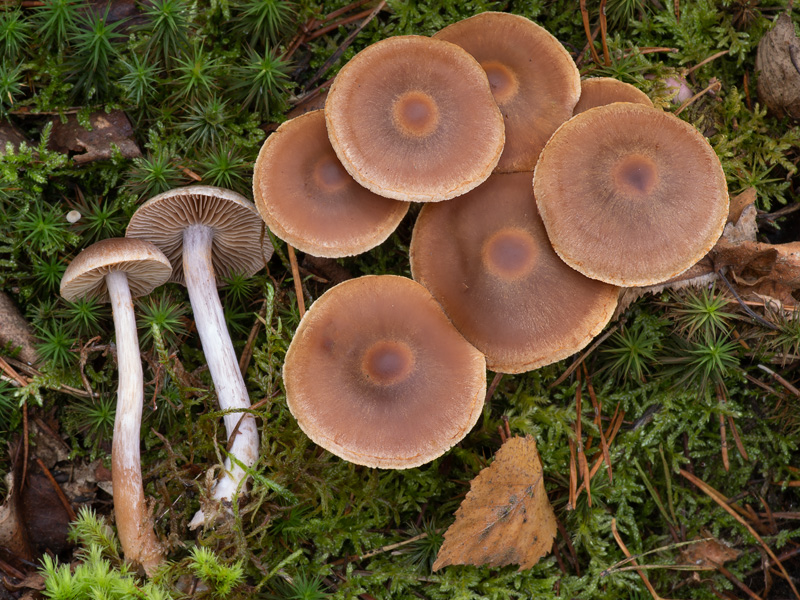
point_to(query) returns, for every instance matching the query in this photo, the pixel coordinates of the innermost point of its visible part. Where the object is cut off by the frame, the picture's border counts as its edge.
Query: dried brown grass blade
(587, 28)
(573, 476)
(298, 283)
(627, 553)
(598, 411)
(611, 433)
(603, 32)
(723, 502)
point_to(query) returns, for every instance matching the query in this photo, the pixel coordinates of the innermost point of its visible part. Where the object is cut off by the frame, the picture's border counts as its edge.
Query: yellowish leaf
(506, 517)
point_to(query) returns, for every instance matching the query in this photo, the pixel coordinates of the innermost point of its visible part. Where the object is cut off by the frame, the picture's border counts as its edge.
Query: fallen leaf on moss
(9, 133)
(108, 130)
(506, 517)
(708, 554)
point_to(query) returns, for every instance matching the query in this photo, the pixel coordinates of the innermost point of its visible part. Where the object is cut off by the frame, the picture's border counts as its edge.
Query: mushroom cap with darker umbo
(309, 200)
(241, 245)
(599, 91)
(413, 118)
(377, 375)
(533, 78)
(145, 265)
(485, 257)
(630, 195)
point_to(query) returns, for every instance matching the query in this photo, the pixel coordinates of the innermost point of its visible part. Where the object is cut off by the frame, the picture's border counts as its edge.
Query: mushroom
(533, 78)
(599, 91)
(486, 259)
(413, 118)
(308, 199)
(116, 270)
(209, 233)
(630, 195)
(377, 375)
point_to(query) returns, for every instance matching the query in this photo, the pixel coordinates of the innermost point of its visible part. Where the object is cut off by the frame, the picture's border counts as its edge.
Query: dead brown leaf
(96, 144)
(708, 554)
(506, 517)
(771, 270)
(32, 581)
(9, 133)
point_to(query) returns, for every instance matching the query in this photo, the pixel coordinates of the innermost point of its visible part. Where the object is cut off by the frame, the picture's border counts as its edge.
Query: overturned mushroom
(377, 375)
(212, 232)
(116, 270)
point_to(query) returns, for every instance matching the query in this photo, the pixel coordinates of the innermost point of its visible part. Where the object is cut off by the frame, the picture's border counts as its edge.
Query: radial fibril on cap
(308, 199)
(240, 243)
(412, 118)
(533, 78)
(599, 91)
(146, 267)
(377, 375)
(643, 203)
(486, 258)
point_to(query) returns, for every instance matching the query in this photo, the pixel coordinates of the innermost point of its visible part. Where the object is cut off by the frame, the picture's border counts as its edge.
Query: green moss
(200, 82)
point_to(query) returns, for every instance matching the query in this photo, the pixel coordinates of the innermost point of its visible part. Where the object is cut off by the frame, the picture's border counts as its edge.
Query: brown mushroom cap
(308, 199)
(377, 375)
(599, 91)
(412, 118)
(486, 258)
(240, 244)
(630, 195)
(533, 78)
(146, 267)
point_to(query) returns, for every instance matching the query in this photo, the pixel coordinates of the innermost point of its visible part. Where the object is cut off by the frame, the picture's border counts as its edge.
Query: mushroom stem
(198, 270)
(139, 542)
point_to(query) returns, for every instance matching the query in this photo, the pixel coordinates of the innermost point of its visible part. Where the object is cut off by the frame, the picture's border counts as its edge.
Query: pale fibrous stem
(198, 270)
(135, 527)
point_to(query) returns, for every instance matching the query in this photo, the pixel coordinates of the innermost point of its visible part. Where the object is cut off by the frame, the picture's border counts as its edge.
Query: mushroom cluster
(516, 257)
(522, 241)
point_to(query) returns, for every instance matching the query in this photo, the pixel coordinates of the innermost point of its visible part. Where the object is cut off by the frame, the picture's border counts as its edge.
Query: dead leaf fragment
(9, 133)
(708, 554)
(107, 129)
(506, 517)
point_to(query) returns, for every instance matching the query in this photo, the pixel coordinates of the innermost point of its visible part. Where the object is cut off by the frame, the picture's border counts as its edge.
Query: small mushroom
(413, 118)
(487, 260)
(209, 233)
(533, 78)
(116, 270)
(645, 201)
(599, 91)
(377, 375)
(309, 200)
